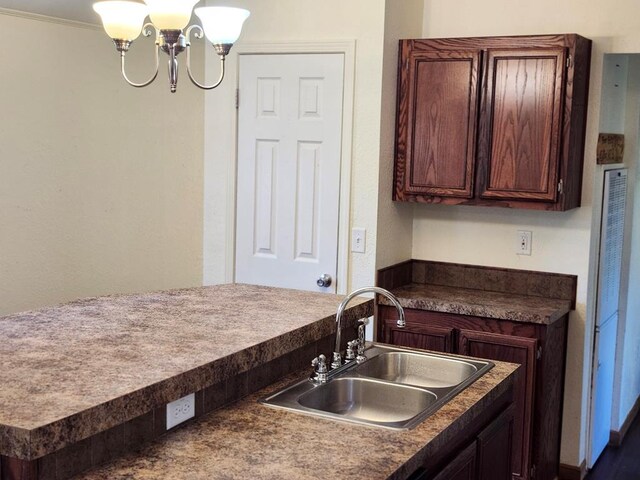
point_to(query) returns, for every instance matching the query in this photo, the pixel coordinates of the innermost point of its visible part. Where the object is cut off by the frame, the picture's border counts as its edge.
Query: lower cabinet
(462, 467)
(486, 457)
(538, 391)
(519, 350)
(494, 447)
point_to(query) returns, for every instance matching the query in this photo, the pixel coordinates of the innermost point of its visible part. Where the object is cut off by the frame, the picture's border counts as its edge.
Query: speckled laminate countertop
(249, 440)
(71, 371)
(481, 303)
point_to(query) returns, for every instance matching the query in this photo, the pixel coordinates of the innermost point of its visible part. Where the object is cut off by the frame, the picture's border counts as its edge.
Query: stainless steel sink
(369, 400)
(395, 388)
(418, 369)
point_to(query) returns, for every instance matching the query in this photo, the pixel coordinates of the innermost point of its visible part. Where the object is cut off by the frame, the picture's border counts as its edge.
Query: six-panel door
(289, 157)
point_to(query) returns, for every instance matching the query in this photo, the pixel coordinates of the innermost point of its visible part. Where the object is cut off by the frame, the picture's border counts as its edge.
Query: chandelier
(123, 22)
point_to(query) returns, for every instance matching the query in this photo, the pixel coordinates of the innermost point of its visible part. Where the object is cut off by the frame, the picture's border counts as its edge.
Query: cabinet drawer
(439, 339)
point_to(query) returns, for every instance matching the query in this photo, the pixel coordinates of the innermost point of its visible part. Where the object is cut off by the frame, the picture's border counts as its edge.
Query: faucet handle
(320, 364)
(364, 321)
(352, 347)
(336, 362)
(320, 373)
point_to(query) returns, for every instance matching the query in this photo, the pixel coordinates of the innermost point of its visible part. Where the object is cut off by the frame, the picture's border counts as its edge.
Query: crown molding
(45, 18)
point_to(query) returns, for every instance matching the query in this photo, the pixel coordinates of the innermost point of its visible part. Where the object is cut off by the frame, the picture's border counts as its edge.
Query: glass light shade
(222, 25)
(170, 14)
(122, 20)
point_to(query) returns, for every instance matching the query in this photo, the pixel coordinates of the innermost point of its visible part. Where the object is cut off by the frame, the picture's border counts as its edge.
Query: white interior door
(607, 307)
(289, 148)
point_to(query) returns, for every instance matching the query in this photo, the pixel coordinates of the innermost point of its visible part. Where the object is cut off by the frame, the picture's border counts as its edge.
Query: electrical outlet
(524, 239)
(181, 410)
(358, 240)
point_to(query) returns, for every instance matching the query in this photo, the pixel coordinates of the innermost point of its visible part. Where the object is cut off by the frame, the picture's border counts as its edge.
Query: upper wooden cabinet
(492, 121)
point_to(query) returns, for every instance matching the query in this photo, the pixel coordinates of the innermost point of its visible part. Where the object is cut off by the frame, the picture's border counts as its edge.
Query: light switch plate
(181, 410)
(358, 240)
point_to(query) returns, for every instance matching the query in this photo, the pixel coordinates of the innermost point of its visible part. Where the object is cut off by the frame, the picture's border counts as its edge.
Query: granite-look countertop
(74, 370)
(480, 303)
(249, 440)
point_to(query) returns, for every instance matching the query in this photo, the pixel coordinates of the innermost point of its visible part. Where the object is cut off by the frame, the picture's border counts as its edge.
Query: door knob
(324, 280)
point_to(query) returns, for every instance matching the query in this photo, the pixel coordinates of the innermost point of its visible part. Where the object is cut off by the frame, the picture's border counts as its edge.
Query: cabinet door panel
(441, 132)
(462, 467)
(515, 350)
(495, 448)
(420, 336)
(522, 124)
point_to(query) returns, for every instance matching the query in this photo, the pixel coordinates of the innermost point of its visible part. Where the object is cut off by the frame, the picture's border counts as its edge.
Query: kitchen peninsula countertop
(249, 440)
(71, 371)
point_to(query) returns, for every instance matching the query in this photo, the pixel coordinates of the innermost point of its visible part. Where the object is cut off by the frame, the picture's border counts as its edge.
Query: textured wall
(100, 183)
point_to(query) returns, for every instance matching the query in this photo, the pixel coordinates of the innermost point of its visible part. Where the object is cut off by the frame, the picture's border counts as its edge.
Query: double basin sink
(394, 388)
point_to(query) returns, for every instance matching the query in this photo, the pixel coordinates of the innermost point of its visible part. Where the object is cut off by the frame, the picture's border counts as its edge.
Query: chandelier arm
(199, 34)
(146, 31)
(144, 84)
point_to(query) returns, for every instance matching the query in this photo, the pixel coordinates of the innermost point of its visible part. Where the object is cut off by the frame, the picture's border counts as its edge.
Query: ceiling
(78, 10)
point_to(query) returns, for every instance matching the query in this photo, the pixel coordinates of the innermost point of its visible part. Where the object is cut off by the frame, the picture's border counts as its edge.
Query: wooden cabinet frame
(538, 393)
(472, 162)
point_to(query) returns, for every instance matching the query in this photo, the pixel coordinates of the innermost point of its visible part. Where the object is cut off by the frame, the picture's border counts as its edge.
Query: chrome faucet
(336, 361)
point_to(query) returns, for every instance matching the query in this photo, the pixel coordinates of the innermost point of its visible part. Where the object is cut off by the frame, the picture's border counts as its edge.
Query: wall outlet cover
(181, 410)
(524, 238)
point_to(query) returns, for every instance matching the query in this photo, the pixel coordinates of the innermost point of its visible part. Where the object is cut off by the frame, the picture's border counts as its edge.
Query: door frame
(348, 49)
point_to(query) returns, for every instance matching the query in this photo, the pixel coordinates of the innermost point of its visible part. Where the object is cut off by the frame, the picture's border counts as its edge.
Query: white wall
(299, 21)
(615, 106)
(100, 183)
(630, 379)
(562, 242)
(628, 360)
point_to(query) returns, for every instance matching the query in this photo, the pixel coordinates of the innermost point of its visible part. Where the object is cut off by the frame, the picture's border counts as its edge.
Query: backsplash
(495, 279)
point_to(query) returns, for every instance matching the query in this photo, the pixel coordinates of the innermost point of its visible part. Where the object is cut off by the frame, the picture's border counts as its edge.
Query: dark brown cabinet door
(462, 467)
(519, 145)
(495, 448)
(439, 125)
(520, 350)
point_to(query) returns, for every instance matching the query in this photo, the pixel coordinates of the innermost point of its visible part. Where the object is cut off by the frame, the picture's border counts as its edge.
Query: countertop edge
(32, 443)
